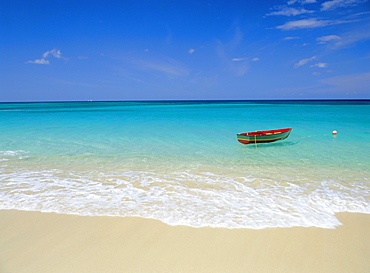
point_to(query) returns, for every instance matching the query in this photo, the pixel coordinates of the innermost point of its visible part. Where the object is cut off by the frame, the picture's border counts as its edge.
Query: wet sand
(48, 242)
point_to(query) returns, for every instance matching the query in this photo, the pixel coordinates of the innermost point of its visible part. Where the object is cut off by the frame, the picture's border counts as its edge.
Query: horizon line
(185, 100)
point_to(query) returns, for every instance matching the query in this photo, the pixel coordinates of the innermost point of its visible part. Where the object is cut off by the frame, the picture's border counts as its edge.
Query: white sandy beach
(48, 242)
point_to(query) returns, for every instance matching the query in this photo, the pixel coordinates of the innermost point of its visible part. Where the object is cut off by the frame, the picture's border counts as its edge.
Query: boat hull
(263, 136)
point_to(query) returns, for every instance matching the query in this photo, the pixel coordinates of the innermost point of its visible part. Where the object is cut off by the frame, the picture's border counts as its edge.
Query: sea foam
(184, 198)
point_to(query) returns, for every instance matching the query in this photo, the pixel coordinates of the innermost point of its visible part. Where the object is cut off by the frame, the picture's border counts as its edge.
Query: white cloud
(360, 14)
(54, 52)
(38, 61)
(324, 39)
(291, 2)
(353, 37)
(290, 11)
(304, 61)
(305, 23)
(311, 23)
(239, 59)
(292, 8)
(244, 59)
(291, 38)
(320, 65)
(191, 51)
(340, 3)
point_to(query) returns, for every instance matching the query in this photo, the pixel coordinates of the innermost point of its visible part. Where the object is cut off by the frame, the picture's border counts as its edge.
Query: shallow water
(180, 162)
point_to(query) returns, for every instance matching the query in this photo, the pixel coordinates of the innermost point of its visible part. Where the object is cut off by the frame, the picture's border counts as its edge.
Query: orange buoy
(334, 132)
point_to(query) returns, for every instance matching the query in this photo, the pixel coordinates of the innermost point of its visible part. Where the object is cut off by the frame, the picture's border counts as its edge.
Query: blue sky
(184, 49)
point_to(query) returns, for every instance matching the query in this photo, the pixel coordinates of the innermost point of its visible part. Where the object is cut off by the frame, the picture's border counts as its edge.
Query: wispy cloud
(38, 61)
(239, 59)
(77, 83)
(320, 65)
(349, 83)
(307, 23)
(328, 5)
(365, 13)
(54, 52)
(304, 61)
(238, 66)
(287, 11)
(237, 39)
(44, 60)
(166, 66)
(244, 59)
(290, 2)
(292, 8)
(291, 38)
(239, 69)
(298, 7)
(325, 39)
(350, 38)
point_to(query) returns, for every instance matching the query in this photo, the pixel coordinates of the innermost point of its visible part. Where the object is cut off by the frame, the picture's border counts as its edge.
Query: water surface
(180, 162)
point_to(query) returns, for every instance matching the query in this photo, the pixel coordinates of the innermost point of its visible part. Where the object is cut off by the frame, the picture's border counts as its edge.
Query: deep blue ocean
(180, 161)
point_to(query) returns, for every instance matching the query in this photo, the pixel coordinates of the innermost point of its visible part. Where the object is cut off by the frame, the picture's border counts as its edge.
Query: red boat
(263, 136)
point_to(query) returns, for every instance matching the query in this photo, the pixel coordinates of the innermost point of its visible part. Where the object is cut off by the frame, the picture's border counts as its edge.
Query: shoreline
(37, 242)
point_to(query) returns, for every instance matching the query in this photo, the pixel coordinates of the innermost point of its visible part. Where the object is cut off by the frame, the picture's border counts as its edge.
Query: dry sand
(47, 242)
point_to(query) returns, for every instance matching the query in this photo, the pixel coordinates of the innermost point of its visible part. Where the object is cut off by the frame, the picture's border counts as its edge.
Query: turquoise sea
(180, 162)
